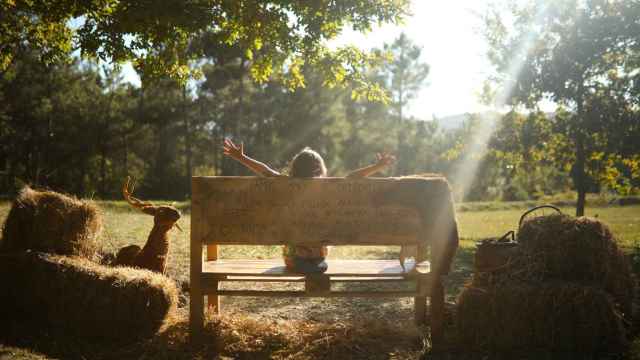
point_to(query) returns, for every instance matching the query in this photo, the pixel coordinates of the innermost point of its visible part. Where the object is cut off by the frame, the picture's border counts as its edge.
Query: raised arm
(237, 152)
(382, 161)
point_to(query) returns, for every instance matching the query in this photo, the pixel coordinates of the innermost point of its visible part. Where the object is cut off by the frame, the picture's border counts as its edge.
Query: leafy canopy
(155, 35)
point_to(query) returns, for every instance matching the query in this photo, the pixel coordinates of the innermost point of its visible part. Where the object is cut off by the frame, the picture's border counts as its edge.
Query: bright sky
(448, 32)
(452, 45)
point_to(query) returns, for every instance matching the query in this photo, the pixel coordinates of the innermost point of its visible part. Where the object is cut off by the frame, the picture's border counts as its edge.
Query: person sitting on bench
(306, 164)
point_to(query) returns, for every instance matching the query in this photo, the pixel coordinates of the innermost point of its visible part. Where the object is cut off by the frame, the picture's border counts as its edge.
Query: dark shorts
(309, 265)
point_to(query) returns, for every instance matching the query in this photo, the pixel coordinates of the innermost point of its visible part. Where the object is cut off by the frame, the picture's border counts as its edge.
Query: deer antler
(135, 202)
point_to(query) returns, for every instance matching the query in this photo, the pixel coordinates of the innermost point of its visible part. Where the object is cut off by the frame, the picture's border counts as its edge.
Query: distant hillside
(455, 121)
(452, 121)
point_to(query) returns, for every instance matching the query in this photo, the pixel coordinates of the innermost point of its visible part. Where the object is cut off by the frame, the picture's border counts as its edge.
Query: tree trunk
(103, 168)
(33, 169)
(161, 183)
(579, 175)
(187, 139)
(217, 157)
(83, 174)
(226, 163)
(582, 200)
(400, 164)
(237, 168)
(400, 105)
(103, 137)
(125, 155)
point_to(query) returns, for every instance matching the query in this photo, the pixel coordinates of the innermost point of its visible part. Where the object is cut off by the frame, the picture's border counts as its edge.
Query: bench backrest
(329, 211)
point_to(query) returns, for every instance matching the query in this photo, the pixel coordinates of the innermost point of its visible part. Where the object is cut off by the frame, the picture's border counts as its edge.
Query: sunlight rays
(466, 170)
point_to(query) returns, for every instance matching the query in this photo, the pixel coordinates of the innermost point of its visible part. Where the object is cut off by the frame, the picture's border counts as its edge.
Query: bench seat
(336, 268)
(214, 272)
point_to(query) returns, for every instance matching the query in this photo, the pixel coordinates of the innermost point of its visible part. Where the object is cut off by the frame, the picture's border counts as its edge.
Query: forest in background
(76, 126)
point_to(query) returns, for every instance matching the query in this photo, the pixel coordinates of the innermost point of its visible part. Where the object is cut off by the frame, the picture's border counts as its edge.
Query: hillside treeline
(79, 128)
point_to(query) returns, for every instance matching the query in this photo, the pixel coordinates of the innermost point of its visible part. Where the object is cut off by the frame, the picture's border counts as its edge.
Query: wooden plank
(232, 278)
(213, 300)
(271, 211)
(347, 268)
(332, 294)
(420, 302)
(196, 302)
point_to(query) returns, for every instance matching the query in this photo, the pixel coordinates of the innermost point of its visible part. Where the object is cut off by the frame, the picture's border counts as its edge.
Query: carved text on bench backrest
(262, 211)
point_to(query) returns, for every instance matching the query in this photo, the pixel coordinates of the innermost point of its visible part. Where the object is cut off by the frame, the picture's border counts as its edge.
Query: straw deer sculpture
(153, 256)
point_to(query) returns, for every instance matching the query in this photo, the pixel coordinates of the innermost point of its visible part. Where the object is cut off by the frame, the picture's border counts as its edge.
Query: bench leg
(420, 309)
(437, 315)
(196, 313)
(196, 296)
(420, 305)
(213, 301)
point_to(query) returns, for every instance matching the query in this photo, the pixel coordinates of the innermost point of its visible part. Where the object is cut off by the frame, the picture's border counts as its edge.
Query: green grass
(623, 221)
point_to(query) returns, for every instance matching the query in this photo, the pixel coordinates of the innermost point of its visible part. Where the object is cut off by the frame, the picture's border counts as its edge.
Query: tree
(162, 111)
(405, 73)
(566, 51)
(528, 151)
(156, 37)
(50, 113)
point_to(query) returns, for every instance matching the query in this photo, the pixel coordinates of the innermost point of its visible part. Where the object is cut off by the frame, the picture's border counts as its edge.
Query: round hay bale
(67, 297)
(552, 317)
(51, 222)
(582, 250)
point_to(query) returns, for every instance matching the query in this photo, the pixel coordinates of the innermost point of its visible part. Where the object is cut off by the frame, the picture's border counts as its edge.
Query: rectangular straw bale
(63, 296)
(51, 222)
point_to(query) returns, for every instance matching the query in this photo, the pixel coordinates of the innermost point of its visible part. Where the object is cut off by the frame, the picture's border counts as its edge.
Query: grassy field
(123, 226)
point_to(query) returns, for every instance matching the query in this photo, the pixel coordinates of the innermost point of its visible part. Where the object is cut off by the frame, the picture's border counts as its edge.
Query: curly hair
(307, 163)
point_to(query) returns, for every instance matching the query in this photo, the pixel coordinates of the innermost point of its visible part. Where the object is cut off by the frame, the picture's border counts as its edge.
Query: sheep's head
(163, 215)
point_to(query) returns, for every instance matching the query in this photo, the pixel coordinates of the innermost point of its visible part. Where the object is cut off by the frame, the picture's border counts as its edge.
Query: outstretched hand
(232, 150)
(384, 159)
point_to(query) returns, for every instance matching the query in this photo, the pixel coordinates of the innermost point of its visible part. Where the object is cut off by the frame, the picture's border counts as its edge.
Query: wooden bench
(408, 211)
